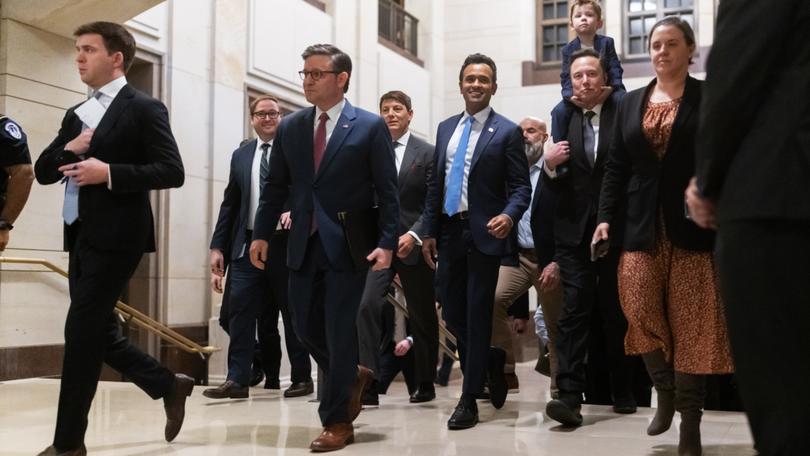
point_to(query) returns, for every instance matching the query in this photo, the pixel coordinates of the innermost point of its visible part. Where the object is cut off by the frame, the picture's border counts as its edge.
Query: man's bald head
(535, 134)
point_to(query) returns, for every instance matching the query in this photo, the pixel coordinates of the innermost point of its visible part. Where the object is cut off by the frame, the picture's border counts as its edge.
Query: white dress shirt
(475, 132)
(334, 114)
(399, 148)
(255, 180)
(108, 92)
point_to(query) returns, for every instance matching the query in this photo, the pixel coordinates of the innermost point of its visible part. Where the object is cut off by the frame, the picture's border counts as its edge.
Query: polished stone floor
(124, 421)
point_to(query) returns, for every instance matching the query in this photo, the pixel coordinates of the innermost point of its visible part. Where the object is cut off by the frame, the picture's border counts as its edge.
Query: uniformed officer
(16, 175)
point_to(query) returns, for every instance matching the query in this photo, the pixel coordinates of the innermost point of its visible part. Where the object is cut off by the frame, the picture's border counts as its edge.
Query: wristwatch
(4, 225)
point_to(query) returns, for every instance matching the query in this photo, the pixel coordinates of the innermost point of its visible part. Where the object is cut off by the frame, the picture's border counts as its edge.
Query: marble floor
(124, 421)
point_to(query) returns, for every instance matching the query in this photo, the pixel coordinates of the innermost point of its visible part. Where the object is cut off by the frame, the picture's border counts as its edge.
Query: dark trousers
(324, 303)
(590, 287)
(764, 269)
(93, 336)
(247, 291)
(391, 365)
(417, 284)
(467, 279)
(276, 301)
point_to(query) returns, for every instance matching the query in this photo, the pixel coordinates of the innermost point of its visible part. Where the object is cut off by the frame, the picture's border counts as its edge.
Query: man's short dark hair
(116, 39)
(259, 99)
(341, 62)
(473, 59)
(399, 97)
(590, 53)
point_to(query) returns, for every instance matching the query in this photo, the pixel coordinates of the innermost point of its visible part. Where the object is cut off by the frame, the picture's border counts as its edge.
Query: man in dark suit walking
(251, 292)
(111, 151)
(753, 185)
(573, 171)
(327, 159)
(478, 192)
(414, 161)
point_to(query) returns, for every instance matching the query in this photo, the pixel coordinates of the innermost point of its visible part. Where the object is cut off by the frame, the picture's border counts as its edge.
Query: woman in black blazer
(667, 281)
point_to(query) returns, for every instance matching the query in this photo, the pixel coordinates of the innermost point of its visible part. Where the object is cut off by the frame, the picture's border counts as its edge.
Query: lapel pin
(491, 130)
(345, 125)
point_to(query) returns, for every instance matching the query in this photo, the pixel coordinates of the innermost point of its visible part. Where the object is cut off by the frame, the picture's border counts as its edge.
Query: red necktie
(319, 145)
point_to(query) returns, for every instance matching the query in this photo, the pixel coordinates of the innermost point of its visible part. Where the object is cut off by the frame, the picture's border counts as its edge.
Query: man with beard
(532, 264)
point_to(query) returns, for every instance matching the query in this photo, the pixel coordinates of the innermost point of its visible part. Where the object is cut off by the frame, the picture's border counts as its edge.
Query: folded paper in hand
(91, 112)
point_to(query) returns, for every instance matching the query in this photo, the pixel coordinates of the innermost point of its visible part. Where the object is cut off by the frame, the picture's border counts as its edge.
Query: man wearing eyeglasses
(329, 158)
(251, 292)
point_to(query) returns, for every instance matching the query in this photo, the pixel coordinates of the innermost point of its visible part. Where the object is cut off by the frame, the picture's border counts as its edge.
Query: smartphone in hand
(599, 249)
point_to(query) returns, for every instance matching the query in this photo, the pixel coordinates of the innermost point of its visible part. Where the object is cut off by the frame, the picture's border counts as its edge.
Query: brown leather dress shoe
(228, 390)
(333, 437)
(300, 389)
(52, 451)
(364, 377)
(174, 404)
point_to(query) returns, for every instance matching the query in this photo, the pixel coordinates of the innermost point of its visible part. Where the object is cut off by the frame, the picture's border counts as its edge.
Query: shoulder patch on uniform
(13, 130)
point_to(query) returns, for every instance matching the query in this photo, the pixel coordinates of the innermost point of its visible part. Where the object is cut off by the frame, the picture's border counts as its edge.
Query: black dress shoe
(256, 376)
(624, 406)
(370, 398)
(497, 382)
(52, 451)
(464, 416)
(565, 410)
(272, 384)
(543, 366)
(298, 389)
(424, 393)
(228, 390)
(174, 404)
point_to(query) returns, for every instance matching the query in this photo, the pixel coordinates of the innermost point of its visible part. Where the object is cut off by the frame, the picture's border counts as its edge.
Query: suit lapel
(443, 136)
(487, 133)
(342, 129)
(247, 171)
(111, 116)
(605, 132)
(688, 101)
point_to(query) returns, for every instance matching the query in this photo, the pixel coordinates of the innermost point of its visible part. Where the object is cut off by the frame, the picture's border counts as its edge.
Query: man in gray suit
(414, 160)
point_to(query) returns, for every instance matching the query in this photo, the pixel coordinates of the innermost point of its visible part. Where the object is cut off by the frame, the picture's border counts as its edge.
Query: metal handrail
(131, 315)
(442, 328)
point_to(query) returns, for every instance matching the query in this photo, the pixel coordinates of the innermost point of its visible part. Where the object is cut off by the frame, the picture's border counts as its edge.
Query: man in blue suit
(250, 292)
(478, 192)
(326, 159)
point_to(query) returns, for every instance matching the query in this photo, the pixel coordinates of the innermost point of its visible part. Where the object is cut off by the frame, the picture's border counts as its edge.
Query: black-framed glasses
(266, 114)
(316, 75)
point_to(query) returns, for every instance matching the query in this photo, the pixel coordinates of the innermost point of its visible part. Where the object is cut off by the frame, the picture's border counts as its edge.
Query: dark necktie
(319, 145)
(264, 168)
(588, 137)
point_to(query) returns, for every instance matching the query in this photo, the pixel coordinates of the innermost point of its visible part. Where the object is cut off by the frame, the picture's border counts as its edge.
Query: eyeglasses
(316, 75)
(266, 114)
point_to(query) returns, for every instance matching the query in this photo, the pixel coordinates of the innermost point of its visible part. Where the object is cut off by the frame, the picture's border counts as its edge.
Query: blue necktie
(70, 208)
(452, 196)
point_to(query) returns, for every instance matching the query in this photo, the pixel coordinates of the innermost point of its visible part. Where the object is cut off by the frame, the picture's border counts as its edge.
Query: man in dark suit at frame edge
(479, 191)
(350, 165)
(108, 172)
(588, 286)
(414, 160)
(251, 292)
(752, 185)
